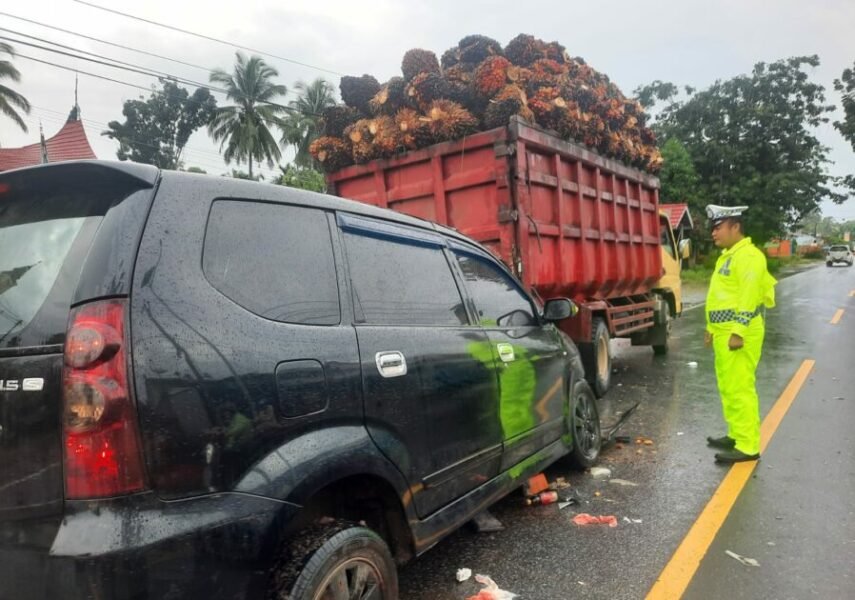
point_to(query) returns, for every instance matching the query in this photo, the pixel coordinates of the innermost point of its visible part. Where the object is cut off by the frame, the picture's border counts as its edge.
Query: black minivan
(212, 388)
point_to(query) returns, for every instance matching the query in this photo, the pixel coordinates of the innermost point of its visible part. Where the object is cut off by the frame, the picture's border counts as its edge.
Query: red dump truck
(567, 221)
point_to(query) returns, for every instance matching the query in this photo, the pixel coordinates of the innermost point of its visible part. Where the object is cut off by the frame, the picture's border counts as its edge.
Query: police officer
(740, 291)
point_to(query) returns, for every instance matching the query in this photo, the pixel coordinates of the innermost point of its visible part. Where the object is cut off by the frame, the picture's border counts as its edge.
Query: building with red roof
(681, 219)
(69, 143)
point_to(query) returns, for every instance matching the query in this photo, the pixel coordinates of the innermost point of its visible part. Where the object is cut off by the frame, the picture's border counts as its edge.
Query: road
(792, 511)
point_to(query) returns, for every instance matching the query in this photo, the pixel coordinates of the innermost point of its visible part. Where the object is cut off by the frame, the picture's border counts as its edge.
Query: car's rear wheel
(584, 425)
(334, 561)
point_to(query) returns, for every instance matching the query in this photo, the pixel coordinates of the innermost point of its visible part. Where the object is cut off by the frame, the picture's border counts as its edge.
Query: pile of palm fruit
(476, 86)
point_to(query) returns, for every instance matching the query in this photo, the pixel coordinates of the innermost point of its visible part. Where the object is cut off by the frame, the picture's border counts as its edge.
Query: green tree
(304, 178)
(244, 128)
(156, 130)
(678, 179)
(303, 125)
(9, 98)
(752, 142)
(846, 87)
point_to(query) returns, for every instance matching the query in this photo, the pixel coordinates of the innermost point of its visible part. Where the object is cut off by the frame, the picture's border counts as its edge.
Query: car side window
(497, 298)
(400, 283)
(274, 260)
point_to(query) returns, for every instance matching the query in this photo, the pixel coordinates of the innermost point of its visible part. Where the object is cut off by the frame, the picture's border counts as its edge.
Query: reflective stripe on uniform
(729, 316)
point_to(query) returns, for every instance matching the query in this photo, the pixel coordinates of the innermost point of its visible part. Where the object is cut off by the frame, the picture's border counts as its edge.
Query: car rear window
(44, 236)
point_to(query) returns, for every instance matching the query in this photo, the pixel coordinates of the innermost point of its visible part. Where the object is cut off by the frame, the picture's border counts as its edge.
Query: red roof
(676, 213)
(69, 143)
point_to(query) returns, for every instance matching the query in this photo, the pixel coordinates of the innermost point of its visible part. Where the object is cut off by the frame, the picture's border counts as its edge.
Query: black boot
(734, 456)
(725, 443)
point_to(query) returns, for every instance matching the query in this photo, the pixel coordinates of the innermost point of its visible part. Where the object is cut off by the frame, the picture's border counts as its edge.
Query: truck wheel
(597, 358)
(662, 332)
(828, 264)
(584, 426)
(340, 560)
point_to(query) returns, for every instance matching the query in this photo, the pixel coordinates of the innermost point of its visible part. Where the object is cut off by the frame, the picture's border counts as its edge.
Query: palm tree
(8, 97)
(303, 125)
(244, 129)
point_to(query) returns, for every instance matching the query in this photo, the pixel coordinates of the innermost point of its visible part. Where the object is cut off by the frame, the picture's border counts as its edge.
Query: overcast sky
(686, 42)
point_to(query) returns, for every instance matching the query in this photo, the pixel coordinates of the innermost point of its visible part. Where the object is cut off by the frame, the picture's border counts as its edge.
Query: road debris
(491, 591)
(680, 433)
(623, 482)
(560, 483)
(600, 472)
(543, 498)
(623, 439)
(692, 364)
(633, 521)
(463, 575)
(586, 519)
(535, 485)
(749, 562)
(485, 522)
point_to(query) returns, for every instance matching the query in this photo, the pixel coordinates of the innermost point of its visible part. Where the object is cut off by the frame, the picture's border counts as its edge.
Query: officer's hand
(707, 339)
(735, 342)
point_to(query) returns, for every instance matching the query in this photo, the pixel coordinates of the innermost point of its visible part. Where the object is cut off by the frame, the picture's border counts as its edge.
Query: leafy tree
(751, 139)
(303, 125)
(678, 178)
(156, 129)
(305, 178)
(244, 128)
(846, 87)
(238, 174)
(9, 98)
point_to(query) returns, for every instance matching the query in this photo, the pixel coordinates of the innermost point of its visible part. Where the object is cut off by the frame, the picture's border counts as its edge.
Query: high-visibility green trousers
(735, 372)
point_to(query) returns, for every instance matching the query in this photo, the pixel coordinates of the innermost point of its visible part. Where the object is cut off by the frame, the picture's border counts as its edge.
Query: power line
(108, 43)
(206, 37)
(137, 69)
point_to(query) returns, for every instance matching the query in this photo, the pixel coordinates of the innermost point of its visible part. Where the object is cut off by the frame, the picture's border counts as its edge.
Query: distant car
(838, 254)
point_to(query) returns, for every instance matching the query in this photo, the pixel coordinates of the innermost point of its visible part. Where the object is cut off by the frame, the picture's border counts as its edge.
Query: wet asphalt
(795, 516)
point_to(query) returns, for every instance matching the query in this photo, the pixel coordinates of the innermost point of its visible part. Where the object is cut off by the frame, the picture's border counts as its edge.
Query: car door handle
(506, 352)
(391, 364)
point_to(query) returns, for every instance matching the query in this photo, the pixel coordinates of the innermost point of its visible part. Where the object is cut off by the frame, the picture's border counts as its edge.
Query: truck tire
(597, 358)
(828, 264)
(662, 332)
(336, 560)
(584, 425)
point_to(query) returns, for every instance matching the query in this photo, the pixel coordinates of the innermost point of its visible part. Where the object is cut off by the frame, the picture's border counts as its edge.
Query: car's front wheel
(341, 560)
(584, 422)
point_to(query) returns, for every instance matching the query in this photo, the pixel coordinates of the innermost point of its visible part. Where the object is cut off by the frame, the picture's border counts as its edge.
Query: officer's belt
(729, 316)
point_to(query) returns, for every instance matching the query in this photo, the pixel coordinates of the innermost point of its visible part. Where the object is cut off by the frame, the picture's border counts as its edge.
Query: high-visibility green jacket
(739, 290)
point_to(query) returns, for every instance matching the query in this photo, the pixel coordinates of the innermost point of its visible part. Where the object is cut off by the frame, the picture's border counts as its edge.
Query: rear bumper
(143, 548)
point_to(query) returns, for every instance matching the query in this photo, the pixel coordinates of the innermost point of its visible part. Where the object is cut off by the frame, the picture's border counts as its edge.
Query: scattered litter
(623, 439)
(680, 433)
(620, 385)
(648, 442)
(463, 575)
(491, 591)
(543, 498)
(586, 519)
(600, 472)
(770, 543)
(749, 562)
(623, 482)
(560, 483)
(639, 451)
(563, 505)
(692, 365)
(536, 484)
(839, 398)
(631, 521)
(598, 494)
(485, 522)
(581, 583)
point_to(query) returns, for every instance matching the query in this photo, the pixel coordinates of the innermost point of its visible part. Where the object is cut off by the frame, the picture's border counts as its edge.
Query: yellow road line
(678, 573)
(837, 316)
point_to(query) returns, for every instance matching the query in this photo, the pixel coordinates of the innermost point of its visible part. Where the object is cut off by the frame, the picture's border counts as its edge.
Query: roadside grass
(702, 272)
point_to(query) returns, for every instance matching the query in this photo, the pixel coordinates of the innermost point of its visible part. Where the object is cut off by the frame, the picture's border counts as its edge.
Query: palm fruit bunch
(478, 85)
(391, 98)
(333, 153)
(448, 120)
(357, 92)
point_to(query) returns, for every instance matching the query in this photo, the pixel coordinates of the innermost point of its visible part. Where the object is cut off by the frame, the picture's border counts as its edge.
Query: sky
(687, 42)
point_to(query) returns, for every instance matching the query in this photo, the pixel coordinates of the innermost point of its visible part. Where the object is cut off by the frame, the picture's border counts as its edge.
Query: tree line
(750, 139)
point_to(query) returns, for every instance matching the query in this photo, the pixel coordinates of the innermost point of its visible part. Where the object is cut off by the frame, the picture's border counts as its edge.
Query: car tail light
(100, 434)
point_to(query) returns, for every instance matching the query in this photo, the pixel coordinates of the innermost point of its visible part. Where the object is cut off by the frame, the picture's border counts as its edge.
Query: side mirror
(685, 249)
(559, 309)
